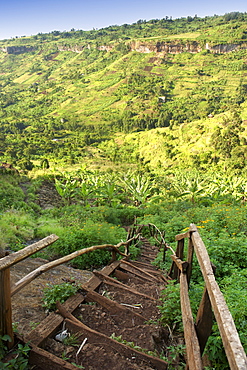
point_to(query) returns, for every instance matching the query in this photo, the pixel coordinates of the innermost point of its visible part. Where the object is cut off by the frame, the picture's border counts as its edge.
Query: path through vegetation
(115, 315)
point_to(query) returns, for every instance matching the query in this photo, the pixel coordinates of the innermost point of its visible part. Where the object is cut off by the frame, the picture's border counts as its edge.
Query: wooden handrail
(212, 297)
(230, 338)
(13, 258)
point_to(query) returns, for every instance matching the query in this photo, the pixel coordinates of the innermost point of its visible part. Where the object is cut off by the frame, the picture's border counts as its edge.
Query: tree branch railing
(6, 261)
(196, 334)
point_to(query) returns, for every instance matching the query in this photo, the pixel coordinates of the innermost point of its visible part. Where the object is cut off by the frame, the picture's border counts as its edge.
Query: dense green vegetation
(122, 131)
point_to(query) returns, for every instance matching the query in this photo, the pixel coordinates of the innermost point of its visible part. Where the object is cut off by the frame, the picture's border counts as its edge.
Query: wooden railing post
(190, 256)
(5, 304)
(204, 320)
(174, 271)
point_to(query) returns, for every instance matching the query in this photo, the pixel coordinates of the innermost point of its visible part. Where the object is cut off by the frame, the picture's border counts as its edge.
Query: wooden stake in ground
(5, 307)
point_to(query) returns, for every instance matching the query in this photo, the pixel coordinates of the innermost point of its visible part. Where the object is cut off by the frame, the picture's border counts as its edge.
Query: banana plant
(86, 191)
(67, 188)
(110, 192)
(193, 188)
(233, 187)
(139, 187)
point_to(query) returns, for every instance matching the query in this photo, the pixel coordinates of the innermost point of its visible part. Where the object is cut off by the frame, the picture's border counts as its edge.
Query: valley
(143, 123)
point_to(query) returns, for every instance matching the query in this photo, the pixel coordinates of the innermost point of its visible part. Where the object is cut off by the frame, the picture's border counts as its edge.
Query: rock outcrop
(17, 49)
(166, 47)
(224, 48)
(176, 48)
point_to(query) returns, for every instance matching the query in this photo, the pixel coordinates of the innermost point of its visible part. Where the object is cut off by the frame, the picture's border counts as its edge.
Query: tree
(25, 164)
(44, 164)
(226, 139)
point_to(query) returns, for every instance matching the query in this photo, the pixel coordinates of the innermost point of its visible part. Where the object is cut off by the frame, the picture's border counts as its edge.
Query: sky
(30, 17)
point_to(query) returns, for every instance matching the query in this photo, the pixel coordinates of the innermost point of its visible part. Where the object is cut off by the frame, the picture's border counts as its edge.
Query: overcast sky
(29, 17)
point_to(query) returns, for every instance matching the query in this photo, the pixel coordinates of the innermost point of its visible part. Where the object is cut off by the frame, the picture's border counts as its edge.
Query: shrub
(9, 194)
(59, 292)
(16, 227)
(75, 238)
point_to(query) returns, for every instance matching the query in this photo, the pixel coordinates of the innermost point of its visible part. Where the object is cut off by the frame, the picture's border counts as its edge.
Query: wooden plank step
(94, 282)
(150, 269)
(120, 275)
(97, 338)
(134, 269)
(49, 326)
(139, 275)
(51, 323)
(144, 265)
(117, 284)
(149, 255)
(120, 313)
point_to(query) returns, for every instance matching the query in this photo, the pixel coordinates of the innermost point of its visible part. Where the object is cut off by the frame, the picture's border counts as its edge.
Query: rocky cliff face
(75, 49)
(175, 48)
(165, 47)
(142, 47)
(224, 48)
(17, 49)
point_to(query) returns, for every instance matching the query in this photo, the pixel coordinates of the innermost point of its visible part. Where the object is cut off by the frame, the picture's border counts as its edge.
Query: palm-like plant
(66, 188)
(189, 185)
(139, 187)
(194, 190)
(86, 191)
(110, 193)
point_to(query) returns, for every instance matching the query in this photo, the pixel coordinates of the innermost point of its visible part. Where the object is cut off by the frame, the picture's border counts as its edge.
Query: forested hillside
(63, 91)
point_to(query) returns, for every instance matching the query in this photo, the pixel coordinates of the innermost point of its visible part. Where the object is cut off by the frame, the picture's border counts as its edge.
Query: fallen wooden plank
(76, 326)
(49, 326)
(234, 350)
(119, 285)
(120, 313)
(192, 345)
(135, 269)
